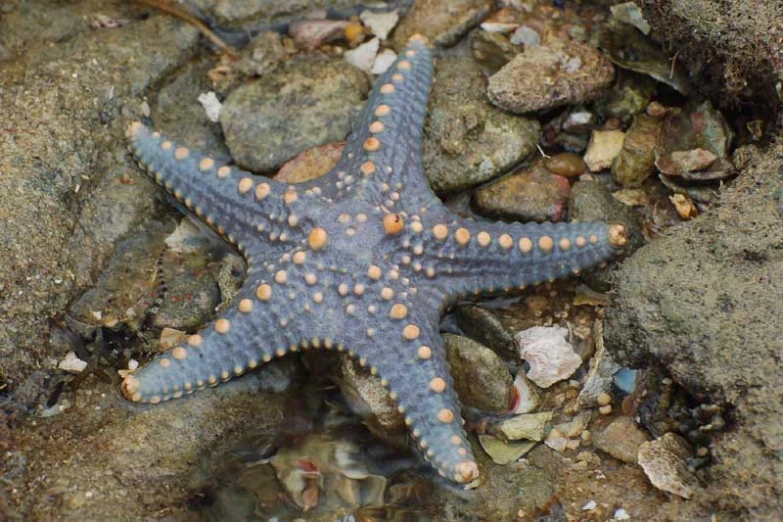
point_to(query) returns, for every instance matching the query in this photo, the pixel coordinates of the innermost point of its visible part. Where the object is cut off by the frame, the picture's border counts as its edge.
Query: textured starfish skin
(363, 260)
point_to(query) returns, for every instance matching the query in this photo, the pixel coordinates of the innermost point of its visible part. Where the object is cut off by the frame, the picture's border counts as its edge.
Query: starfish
(363, 260)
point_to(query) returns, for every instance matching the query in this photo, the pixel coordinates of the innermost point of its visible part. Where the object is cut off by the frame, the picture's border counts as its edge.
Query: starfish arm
(244, 337)
(406, 351)
(471, 257)
(383, 152)
(234, 203)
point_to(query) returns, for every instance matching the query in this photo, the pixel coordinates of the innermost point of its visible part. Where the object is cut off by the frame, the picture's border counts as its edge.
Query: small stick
(195, 22)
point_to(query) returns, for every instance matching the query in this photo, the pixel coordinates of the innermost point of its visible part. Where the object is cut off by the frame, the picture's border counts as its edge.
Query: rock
(369, 399)
(191, 294)
(566, 164)
(263, 55)
(549, 76)
(630, 95)
(705, 329)
(467, 141)
(603, 148)
(311, 164)
(503, 20)
(480, 376)
(556, 441)
(232, 13)
(664, 463)
(629, 13)
(444, 22)
(68, 192)
(503, 452)
(530, 193)
(491, 51)
(621, 438)
(529, 426)
(125, 291)
(636, 160)
(695, 145)
(628, 48)
(575, 426)
(307, 103)
(310, 34)
(592, 201)
(483, 326)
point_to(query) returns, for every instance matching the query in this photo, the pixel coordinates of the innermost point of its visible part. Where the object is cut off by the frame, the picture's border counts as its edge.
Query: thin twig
(195, 22)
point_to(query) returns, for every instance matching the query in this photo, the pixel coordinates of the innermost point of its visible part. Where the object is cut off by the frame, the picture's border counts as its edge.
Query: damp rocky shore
(646, 390)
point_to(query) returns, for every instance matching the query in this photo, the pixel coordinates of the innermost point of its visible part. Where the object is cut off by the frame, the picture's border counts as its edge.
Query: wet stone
(480, 376)
(191, 295)
(592, 201)
(566, 164)
(692, 304)
(369, 399)
(527, 194)
(629, 96)
(231, 12)
(263, 55)
(636, 160)
(483, 326)
(572, 73)
(603, 149)
(621, 438)
(126, 290)
(444, 22)
(492, 50)
(310, 34)
(467, 141)
(695, 145)
(307, 103)
(665, 463)
(628, 48)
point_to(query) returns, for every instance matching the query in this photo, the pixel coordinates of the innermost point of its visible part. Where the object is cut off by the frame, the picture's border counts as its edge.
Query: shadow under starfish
(363, 260)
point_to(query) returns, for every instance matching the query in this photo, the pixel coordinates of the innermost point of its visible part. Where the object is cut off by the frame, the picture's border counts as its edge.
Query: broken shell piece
(526, 397)
(685, 206)
(664, 463)
(530, 426)
(72, 363)
(363, 56)
(503, 452)
(380, 24)
(550, 355)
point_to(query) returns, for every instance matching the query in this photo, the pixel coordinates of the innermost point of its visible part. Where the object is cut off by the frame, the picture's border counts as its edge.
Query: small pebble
(586, 436)
(566, 164)
(604, 399)
(605, 410)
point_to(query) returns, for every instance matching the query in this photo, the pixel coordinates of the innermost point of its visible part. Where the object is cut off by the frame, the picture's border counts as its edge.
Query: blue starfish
(363, 260)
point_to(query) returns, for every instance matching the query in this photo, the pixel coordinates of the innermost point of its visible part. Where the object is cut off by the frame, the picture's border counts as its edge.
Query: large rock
(69, 190)
(467, 141)
(704, 303)
(308, 103)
